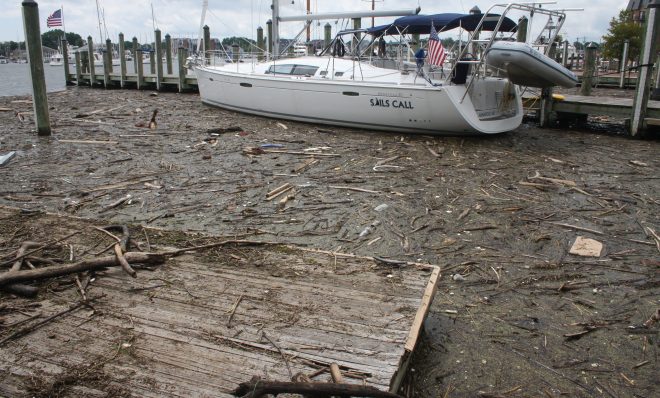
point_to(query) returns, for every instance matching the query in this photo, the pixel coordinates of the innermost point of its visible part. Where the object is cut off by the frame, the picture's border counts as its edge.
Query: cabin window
(338, 74)
(297, 70)
(323, 73)
(304, 70)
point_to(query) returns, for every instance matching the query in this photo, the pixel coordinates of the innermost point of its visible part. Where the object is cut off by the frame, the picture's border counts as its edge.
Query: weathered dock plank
(597, 105)
(202, 323)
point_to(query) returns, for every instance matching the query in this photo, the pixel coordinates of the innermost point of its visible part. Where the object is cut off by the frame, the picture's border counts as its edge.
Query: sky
(181, 18)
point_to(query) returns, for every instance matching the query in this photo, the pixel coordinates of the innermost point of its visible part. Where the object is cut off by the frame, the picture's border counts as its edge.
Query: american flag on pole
(55, 19)
(437, 52)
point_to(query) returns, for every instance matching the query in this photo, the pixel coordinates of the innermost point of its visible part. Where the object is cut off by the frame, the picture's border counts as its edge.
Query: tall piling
(159, 59)
(624, 64)
(182, 69)
(207, 44)
(415, 43)
(168, 53)
(269, 25)
(235, 53)
(564, 54)
(357, 24)
(655, 94)
(92, 69)
(122, 61)
(35, 59)
(65, 57)
(521, 35)
(107, 63)
(78, 68)
(140, 68)
(84, 61)
(134, 50)
(641, 99)
(546, 115)
(260, 43)
(589, 69)
(327, 35)
(152, 62)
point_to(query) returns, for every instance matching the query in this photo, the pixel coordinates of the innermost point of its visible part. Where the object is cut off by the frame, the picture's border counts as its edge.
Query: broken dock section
(202, 323)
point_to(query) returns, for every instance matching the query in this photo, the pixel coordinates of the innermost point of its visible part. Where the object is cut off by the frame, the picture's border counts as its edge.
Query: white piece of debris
(586, 247)
(458, 277)
(382, 207)
(4, 159)
(282, 126)
(638, 163)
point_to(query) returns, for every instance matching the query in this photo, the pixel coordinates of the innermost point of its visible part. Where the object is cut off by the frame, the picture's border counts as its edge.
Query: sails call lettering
(395, 103)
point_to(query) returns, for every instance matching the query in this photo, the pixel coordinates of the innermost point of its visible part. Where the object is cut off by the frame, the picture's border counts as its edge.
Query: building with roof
(638, 9)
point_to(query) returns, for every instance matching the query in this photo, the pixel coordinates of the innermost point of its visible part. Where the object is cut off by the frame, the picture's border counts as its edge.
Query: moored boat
(348, 86)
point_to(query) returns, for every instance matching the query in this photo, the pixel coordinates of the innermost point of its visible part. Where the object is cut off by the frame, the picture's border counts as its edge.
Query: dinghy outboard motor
(462, 70)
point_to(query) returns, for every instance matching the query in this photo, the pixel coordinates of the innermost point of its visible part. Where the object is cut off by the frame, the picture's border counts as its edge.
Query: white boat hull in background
(528, 67)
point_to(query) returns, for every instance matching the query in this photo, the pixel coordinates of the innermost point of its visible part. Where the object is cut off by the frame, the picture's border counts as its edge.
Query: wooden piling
(152, 62)
(92, 69)
(521, 36)
(182, 69)
(235, 53)
(140, 70)
(168, 53)
(107, 63)
(159, 59)
(327, 35)
(65, 56)
(35, 59)
(641, 99)
(78, 68)
(207, 44)
(260, 43)
(564, 54)
(588, 70)
(122, 61)
(134, 50)
(655, 94)
(546, 116)
(269, 26)
(624, 64)
(84, 61)
(357, 24)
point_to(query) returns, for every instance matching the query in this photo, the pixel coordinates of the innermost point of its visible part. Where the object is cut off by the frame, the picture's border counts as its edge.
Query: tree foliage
(243, 42)
(53, 37)
(621, 29)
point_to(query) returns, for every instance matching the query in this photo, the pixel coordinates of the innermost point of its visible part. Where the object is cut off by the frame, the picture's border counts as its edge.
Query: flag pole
(63, 26)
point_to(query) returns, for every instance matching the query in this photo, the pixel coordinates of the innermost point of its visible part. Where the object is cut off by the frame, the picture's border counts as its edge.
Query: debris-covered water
(515, 315)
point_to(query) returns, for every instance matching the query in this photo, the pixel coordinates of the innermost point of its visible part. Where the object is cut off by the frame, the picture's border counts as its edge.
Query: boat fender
(340, 51)
(382, 51)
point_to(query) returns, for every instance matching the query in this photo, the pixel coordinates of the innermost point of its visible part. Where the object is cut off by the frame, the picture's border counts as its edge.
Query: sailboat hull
(433, 110)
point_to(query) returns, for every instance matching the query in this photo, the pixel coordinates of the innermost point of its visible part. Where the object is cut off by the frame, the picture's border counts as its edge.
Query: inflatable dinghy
(526, 66)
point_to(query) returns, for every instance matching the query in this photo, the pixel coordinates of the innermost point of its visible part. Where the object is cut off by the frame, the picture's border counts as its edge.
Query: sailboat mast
(201, 46)
(98, 17)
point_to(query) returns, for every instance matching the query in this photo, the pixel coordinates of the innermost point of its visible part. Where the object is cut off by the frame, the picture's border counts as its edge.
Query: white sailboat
(360, 90)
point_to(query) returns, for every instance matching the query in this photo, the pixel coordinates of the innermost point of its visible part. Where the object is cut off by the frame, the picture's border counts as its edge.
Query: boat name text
(387, 103)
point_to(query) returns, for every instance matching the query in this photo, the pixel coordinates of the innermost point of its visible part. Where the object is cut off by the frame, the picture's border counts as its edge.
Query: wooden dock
(594, 105)
(199, 325)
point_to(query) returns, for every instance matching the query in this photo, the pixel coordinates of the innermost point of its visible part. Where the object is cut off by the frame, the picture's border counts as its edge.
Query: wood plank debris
(275, 308)
(586, 247)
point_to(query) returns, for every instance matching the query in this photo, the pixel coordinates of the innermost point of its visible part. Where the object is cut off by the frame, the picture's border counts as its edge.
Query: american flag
(55, 19)
(437, 52)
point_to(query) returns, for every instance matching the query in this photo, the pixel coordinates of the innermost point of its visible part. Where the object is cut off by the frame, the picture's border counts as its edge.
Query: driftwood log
(257, 388)
(12, 277)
